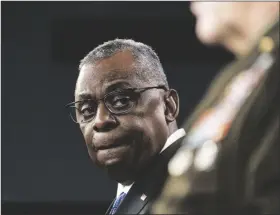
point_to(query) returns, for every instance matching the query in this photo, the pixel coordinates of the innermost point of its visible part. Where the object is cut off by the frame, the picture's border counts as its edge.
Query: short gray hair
(149, 67)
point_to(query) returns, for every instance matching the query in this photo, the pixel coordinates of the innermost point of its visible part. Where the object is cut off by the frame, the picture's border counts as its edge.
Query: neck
(172, 127)
(260, 16)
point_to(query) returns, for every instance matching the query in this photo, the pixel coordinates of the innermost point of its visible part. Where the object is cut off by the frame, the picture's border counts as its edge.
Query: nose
(104, 121)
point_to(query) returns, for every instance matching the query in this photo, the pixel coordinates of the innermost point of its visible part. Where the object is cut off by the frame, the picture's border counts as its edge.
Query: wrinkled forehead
(97, 78)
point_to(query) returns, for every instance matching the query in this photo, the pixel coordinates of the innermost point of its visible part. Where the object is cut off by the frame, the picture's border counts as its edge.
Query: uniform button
(206, 156)
(181, 162)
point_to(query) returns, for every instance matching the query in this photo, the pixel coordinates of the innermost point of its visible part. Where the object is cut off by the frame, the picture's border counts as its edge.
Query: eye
(121, 101)
(87, 111)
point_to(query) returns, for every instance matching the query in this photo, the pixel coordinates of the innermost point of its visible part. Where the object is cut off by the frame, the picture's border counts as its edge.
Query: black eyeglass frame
(134, 90)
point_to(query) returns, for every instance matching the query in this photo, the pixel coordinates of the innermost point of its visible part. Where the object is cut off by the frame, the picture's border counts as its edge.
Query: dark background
(45, 166)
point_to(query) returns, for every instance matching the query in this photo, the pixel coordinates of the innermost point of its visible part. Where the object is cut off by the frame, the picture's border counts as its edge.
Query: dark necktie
(117, 203)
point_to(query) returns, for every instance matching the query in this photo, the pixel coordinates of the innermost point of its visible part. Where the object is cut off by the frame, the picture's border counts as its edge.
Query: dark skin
(124, 144)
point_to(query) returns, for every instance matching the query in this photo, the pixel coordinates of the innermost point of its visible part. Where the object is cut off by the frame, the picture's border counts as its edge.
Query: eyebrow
(84, 96)
(117, 85)
(113, 86)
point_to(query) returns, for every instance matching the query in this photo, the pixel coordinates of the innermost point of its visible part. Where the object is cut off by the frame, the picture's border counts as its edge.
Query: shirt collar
(173, 138)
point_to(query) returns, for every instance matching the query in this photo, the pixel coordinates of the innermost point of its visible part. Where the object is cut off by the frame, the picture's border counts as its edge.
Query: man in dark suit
(229, 161)
(127, 114)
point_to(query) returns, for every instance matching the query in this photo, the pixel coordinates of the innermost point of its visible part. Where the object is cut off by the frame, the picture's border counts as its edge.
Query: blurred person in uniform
(230, 159)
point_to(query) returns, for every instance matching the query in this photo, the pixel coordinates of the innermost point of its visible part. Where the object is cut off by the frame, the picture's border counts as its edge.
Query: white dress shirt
(170, 140)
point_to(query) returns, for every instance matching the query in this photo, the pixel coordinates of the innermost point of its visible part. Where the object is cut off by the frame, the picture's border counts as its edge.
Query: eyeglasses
(117, 102)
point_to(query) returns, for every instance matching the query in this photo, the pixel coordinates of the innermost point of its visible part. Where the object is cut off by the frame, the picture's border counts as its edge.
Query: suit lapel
(110, 207)
(132, 203)
(149, 184)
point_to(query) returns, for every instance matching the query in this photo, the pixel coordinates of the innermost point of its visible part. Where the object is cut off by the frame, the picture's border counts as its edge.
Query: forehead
(119, 68)
(217, 6)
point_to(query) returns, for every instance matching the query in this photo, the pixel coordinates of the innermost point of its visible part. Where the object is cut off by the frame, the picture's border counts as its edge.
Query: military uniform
(230, 159)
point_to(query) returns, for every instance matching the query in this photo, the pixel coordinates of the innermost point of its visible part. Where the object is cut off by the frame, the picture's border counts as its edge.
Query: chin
(207, 37)
(119, 173)
(208, 30)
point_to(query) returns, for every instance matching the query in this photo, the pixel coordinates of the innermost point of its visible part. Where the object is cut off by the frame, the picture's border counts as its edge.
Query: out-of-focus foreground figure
(229, 163)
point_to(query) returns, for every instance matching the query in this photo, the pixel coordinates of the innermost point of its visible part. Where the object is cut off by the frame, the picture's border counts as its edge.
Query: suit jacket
(150, 184)
(246, 176)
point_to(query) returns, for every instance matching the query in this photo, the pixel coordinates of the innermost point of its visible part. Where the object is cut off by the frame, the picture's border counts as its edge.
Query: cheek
(155, 126)
(87, 134)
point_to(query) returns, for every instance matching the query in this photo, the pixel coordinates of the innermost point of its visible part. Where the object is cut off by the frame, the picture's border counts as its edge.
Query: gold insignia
(266, 44)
